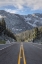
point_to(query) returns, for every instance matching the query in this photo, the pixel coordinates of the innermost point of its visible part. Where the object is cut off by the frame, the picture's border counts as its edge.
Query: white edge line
(6, 47)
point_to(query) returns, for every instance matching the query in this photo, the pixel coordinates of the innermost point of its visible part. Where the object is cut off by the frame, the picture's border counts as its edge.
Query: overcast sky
(21, 6)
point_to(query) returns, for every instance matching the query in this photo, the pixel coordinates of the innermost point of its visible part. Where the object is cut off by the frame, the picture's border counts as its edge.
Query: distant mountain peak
(18, 23)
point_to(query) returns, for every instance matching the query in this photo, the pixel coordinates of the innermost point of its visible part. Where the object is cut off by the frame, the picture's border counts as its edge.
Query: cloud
(33, 4)
(11, 11)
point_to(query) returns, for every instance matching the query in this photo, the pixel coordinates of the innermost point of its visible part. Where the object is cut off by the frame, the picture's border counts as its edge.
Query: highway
(33, 53)
(2, 46)
(21, 53)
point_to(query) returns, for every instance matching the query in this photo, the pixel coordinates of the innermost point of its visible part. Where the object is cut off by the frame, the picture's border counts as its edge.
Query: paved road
(10, 55)
(33, 54)
(2, 46)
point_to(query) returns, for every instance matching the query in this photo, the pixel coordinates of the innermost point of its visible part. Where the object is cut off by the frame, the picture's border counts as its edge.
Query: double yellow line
(21, 55)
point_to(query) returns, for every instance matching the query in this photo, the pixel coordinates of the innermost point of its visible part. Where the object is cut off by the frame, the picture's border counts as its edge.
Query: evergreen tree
(36, 32)
(3, 23)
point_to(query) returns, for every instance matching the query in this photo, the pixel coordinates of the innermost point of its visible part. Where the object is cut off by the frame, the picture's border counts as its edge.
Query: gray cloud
(33, 4)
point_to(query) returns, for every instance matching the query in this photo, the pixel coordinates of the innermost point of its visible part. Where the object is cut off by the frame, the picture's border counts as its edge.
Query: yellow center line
(21, 55)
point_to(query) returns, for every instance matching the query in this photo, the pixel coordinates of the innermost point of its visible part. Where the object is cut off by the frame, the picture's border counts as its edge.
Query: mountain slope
(15, 22)
(5, 33)
(33, 19)
(19, 23)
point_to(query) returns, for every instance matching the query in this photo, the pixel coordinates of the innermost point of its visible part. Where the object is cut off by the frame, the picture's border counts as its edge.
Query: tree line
(30, 35)
(5, 30)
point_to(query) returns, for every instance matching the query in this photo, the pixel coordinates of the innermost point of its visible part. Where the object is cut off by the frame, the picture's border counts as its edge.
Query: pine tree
(36, 32)
(3, 23)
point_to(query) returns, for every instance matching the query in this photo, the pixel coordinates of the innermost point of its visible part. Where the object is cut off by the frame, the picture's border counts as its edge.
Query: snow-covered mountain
(18, 23)
(34, 20)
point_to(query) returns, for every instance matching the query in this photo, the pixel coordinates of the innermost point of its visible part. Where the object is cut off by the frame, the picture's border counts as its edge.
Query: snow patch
(26, 19)
(34, 15)
(16, 29)
(36, 21)
(41, 18)
(34, 25)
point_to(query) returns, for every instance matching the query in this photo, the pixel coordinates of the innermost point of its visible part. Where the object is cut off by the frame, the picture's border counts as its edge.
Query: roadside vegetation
(2, 42)
(30, 35)
(5, 31)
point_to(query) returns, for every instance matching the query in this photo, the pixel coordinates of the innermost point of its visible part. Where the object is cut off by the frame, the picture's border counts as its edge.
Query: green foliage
(2, 42)
(36, 32)
(2, 26)
(30, 35)
(9, 34)
(3, 23)
(4, 30)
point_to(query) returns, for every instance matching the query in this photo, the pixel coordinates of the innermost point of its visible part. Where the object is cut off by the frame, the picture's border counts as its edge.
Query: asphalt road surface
(9, 55)
(32, 52)
(2, 46)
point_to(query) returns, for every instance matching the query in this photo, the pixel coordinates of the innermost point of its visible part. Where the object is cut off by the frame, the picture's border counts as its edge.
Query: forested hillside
(5, 31)
(34, 34)
(30, 35)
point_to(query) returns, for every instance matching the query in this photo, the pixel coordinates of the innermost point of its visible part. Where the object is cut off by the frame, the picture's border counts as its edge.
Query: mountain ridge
(19, 23)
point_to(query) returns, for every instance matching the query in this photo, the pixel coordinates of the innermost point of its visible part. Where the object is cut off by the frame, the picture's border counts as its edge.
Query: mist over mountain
(19, 23)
